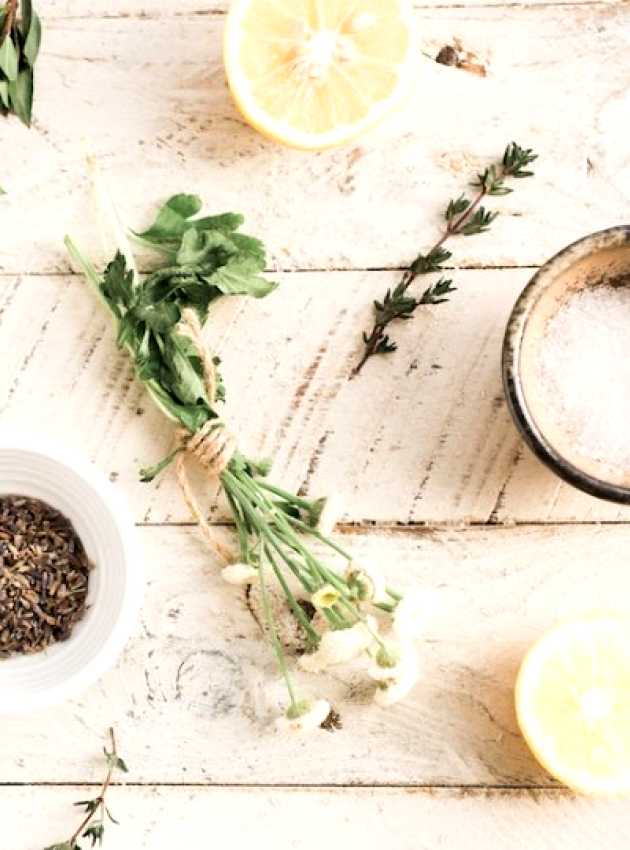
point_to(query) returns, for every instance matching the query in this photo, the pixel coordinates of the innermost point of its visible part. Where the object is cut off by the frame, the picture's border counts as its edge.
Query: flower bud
(327, 513)
(239, 574)
(340, 646)
(326, 596)
(366, 584)
(304, 716)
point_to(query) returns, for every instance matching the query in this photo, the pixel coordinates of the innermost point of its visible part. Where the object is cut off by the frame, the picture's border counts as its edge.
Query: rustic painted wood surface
(407, 819)
(424, 438)
(150, 98)
(196, 691)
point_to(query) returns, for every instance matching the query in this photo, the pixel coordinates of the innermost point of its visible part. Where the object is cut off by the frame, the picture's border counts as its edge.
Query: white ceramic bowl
(29, 466)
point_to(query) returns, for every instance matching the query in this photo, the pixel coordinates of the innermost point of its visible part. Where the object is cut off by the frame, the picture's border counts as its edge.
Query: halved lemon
(315, 73)
(573, 703)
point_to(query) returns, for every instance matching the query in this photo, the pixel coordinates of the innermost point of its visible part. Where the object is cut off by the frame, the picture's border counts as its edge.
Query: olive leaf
(20, 41)
(9, 59)
(21, 95)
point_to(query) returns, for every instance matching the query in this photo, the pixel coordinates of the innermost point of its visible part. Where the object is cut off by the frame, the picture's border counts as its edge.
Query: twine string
(213, 445)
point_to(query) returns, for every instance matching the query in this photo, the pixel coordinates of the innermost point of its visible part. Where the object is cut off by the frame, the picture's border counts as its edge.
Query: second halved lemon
(316, 73)
(573, 703)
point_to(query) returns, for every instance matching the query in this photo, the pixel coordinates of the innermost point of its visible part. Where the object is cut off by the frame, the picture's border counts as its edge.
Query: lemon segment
(573, 703)
(315, 73)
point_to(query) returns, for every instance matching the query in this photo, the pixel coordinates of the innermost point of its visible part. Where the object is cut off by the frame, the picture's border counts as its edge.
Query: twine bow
(213, 445)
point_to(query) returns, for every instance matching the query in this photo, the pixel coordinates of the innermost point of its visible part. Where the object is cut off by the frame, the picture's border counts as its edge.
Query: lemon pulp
(573, 703)
(314, 73)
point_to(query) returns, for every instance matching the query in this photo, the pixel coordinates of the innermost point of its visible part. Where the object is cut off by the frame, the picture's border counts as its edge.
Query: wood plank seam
(244, 786)
(206, 13)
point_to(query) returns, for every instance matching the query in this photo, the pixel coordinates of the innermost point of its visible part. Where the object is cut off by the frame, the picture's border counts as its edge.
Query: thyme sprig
(20, 38)
(464, 216)
(97, 813)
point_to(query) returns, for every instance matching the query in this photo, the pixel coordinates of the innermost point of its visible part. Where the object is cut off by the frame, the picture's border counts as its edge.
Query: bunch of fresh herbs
(20, 38)
(205, 258)
(97, 813)
(463, 216)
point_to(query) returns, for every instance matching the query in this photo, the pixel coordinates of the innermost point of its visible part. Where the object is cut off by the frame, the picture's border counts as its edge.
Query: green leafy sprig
(20, 39)
(463, 216)
(92, 827)
(206, 258)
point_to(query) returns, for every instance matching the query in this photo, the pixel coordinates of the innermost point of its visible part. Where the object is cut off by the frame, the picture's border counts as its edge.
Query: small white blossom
(239, 574)
(340, 646)
(330, 514)
(305, 717)
(392, 692)
(326, 596)
(401, 680)
(393, 661)
(367, 581)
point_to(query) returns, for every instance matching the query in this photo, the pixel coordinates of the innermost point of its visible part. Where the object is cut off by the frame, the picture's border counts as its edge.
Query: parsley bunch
(19, 46)
(205, 258)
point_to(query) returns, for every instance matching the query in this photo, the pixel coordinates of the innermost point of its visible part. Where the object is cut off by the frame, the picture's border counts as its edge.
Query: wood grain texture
(196, 692)
(424, 436)
(164, 818)
(149, 94)
(157, 8)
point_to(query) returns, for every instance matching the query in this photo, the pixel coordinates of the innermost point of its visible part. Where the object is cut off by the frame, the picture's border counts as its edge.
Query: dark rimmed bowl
(595, 260)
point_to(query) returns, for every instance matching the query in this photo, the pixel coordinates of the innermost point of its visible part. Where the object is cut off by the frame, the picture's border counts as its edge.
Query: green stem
(273, 636)
(241, 529)
(241, 495)
(284, 494)
(295, 606)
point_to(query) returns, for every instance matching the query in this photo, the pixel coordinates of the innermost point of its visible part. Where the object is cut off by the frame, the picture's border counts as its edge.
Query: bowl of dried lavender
(70, 585)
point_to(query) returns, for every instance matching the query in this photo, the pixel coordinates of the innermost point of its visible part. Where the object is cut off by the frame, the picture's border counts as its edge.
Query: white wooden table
(438, 485)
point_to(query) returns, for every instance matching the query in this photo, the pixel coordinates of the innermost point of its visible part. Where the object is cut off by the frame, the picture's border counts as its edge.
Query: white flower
(389, 694)
(394, 661)
(239, 574)
(326, 596)
(330, 514)
(304, 717)
(412, 613)
(367, 581)
(400, 679)
(340, 646)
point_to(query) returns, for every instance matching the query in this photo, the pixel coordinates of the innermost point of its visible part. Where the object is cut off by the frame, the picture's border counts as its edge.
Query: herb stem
(10, 14)
(463, 216)
(101, 797)
(452, 228)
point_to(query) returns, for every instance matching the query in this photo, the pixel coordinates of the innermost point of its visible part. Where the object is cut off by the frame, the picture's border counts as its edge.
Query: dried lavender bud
(43, 576)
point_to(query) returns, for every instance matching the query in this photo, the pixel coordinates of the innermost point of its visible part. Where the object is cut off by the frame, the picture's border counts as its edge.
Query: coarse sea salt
(584, 373)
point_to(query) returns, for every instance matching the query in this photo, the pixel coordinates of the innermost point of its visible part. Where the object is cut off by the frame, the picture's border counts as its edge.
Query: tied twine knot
(213, 445)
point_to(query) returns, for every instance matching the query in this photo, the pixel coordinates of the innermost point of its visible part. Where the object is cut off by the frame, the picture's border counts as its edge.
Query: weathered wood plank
(163, 818)
(156, 8)
(151, 97)
(423, 436)
(196, 690)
